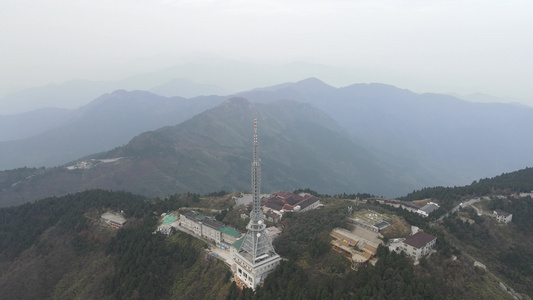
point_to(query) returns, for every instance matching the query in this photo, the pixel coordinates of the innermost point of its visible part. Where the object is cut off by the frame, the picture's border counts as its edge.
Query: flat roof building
(114, 220)
(427, 209)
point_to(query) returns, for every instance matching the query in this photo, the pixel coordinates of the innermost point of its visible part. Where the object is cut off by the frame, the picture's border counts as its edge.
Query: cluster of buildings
(275, 205)
(88, 164)
(360, 244)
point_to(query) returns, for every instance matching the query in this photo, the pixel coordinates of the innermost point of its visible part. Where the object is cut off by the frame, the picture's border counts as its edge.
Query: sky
(426, 46)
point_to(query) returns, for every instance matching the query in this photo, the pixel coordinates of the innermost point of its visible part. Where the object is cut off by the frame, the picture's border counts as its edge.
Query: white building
(191, 221)
(251, 273)
(114, 220)
(427, 209)
(209, 228)
(502, 216)
(310, 202)
(418, 244)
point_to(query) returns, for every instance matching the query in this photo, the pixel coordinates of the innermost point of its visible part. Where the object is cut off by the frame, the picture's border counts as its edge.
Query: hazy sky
(440, 46)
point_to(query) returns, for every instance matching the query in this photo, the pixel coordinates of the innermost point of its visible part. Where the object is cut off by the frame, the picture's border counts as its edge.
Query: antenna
(255, 130)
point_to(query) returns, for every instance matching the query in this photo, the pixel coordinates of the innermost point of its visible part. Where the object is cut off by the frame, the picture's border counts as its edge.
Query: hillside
(505, 249)
(107, 122)
(69, 253)
(441, 138)
(386, 141)
(21, 126)
(300, 146)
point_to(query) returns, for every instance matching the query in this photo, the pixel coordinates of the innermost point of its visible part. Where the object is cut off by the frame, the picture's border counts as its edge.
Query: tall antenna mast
(255, 257)
(256, 214)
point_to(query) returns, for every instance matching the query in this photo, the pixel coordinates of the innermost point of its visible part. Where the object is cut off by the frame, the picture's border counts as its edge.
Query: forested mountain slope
(107, 122)
(444, 139)
(69, 253)
(300, 146)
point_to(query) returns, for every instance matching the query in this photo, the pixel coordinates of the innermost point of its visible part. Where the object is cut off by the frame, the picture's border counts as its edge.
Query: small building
(427, 209)
(502, 216)
(418, 244)
(480, 265)
(309, 202)
(168, 224)
(114, 220)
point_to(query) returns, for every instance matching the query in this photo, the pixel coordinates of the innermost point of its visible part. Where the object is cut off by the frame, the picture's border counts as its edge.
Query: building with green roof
(208, 227)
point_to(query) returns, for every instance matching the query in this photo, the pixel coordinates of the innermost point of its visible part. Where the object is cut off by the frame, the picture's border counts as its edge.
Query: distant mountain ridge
(107, 122)
(450, 140)
(300, 146)
(414, 140)
(21, 126)
(187, 89)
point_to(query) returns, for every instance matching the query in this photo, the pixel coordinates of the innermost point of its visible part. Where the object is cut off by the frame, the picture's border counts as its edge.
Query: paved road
(467, 203)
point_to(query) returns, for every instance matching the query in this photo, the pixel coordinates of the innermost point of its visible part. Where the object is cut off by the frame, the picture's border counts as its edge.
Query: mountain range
(361, 138)
(300, 146)
(196, 76)
(449, 140)
(107, 122)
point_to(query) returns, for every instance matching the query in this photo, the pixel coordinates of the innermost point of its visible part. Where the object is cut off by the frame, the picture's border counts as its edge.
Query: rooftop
(430, 207)
(169, 219)
(305, 203)
(238, 243)
(275, 204)
(502, 213)
(211, 222)
(114, 217)
(230, 231)
(191, 214)
(419, 239)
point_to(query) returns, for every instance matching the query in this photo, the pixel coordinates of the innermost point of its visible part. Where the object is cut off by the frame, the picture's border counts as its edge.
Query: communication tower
(253, 256)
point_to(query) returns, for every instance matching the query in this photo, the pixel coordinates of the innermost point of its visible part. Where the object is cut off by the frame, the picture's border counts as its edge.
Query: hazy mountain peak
(236, 101)
(185, 87)
(313, 83)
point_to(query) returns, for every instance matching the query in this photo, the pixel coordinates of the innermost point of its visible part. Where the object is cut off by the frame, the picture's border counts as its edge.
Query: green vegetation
(71, 255)
(307, 235)
(145, 262)
(518, 181)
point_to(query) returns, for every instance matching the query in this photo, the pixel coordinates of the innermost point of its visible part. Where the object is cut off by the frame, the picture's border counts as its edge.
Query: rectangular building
(418, 244)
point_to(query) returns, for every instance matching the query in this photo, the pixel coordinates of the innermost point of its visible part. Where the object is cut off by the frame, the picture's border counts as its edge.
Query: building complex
(359, 245)
(281, 202)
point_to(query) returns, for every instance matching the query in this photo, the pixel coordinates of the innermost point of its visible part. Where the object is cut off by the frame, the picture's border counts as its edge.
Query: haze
(426, 46)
